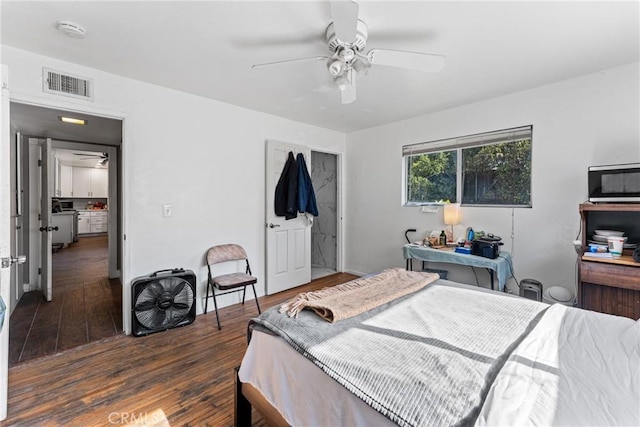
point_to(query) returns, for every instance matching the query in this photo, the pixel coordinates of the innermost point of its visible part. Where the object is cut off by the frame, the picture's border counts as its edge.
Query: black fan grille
(163, 303)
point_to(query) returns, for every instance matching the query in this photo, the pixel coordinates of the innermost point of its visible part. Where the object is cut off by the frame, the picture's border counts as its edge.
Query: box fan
(163, 300)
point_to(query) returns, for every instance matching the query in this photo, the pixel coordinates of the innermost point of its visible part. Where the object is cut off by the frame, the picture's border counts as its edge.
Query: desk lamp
(452, 216)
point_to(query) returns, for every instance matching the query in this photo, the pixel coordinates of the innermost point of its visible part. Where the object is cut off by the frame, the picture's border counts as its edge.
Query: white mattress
(576, 368)
(302, 393)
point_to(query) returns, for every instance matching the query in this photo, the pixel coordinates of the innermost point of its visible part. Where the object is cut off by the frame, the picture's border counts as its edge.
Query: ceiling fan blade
(345, 19)
(348, 92)
(286, 61)
(402, 59)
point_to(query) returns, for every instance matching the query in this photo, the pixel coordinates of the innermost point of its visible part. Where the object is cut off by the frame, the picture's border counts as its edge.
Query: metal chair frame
(212, 284)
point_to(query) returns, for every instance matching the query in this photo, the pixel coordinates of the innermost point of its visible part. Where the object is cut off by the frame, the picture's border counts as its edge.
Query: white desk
(501, 266)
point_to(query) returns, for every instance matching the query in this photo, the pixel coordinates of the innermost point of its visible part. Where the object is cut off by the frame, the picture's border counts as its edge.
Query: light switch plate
(167, 211)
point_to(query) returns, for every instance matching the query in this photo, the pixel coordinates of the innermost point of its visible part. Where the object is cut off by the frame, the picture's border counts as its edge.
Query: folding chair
(228, 283)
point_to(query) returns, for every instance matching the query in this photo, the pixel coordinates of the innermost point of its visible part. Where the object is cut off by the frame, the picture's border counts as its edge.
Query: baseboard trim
(357, 273)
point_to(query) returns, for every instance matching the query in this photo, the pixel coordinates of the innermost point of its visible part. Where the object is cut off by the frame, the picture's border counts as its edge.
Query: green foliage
(498, 174)
(432, 177)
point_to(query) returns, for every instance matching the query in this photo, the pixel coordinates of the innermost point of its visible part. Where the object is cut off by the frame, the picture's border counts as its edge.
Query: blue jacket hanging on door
(306, 195)
(286, 195)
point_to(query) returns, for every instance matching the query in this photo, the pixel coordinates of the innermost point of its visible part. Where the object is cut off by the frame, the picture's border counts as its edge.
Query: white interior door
(288, 254)
(5, 240)
(45, 219)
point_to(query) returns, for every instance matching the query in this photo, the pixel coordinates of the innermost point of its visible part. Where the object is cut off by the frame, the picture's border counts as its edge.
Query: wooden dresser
(610, 285)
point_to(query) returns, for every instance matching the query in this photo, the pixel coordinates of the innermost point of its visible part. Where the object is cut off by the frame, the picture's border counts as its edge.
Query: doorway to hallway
(87, 305)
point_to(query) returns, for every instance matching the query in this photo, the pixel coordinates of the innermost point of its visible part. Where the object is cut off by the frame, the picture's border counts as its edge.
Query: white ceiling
(87, 159)
(45, 122)
(208, 47)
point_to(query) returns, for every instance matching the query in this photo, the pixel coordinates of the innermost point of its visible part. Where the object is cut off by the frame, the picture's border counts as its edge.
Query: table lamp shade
(452, 214)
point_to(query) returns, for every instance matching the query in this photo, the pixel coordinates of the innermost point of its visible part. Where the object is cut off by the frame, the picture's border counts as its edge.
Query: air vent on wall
(67, 84)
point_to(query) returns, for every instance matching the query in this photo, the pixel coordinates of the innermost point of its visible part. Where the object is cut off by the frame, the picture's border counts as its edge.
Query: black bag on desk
(487, 247)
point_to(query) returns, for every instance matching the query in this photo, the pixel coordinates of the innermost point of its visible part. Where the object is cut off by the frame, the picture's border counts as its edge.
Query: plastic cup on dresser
(615, 245)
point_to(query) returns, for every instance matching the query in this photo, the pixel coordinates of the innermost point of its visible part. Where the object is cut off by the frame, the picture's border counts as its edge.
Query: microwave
(66, 205)
(614, 183)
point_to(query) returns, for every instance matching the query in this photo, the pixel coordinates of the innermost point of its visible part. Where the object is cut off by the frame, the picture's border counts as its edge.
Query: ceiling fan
(346, 38)
(104, 157)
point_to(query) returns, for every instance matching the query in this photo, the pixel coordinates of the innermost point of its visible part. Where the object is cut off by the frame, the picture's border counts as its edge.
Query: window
(489, 169)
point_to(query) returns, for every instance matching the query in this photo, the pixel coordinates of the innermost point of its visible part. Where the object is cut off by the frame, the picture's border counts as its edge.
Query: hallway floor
(318, 272)
(86, 305)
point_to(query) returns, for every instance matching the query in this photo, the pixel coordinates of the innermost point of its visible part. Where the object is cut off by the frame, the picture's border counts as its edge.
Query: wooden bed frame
(246, 396)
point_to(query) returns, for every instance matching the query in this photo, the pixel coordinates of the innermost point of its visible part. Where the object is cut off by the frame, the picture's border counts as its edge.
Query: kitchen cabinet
(63, 175)
(56, 177)
(100, 183)
(99, 221)
(93, 221)
(66, 181)
(610, 285)
(84, 222)
(81, 182)
(90, 182)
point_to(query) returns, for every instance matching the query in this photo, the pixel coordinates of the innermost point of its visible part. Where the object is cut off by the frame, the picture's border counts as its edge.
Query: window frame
(457, 145)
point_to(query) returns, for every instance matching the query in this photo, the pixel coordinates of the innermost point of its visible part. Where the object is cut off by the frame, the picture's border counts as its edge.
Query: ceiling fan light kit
(336, 67)
(346, 39)
(359, 42)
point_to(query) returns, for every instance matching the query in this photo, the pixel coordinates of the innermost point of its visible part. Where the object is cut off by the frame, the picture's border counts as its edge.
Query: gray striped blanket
(426, 359)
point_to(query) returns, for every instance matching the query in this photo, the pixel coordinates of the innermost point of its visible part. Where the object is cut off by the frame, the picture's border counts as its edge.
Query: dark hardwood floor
(180, 377)
(86, 305)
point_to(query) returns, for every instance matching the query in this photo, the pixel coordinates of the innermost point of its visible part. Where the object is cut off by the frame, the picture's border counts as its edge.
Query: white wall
(205, 158)
(580, 122)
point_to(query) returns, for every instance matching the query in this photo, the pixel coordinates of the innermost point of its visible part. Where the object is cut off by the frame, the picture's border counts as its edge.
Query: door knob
(20, 259)
(49, 228)
(272, 225)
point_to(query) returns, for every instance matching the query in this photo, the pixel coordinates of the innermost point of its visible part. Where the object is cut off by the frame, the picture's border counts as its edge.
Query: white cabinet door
(99, 183)
(66, 181)
(99, 221)
(81, 182)
(56, 177)
(90, 182)
(84, 223)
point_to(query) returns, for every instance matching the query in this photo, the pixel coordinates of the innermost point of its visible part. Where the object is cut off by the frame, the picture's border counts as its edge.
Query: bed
(445, 354)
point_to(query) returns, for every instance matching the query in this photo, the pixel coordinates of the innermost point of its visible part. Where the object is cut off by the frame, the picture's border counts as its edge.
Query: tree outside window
(432, 177)
(495, 170)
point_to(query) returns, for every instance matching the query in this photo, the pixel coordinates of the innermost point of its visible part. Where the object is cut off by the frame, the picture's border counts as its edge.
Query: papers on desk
(598, 254)
(440, 247)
